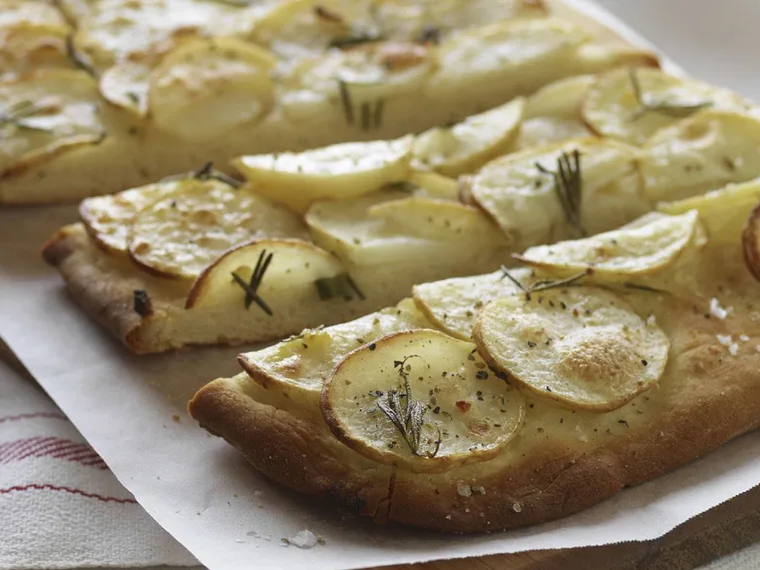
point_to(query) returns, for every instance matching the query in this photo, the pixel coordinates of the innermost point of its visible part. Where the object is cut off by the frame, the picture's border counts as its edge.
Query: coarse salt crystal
(744, 338)
(717, 311)
(304, 539)
(464, 490)
(651, 320)
(724, 339)
(733, 349)
(479, 490)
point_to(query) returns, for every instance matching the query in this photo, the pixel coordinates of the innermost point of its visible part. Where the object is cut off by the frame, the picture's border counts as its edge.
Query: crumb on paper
(733, 349)
(303, 539)
(517, 507)
(724, 339)
(717, 311)
(479, 490)
(176, 418)
(744, 338)
(463, 489)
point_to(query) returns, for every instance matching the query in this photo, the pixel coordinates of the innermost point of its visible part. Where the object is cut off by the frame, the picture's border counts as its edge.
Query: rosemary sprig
(339, 286)
(370, 114)
(545, 284)
(408, 417)
(568, 185)
(251, 288)
(669, 108)
(206, 172)
(345, 100)
(17, 112)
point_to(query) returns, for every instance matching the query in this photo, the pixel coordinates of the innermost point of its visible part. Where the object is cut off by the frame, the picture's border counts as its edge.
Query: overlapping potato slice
(723, 212)
(642, 249)
(582, 347)
(701, 153)
(337, 171)
(453, 305)
(632, 104)
(206, 88)
(298, 367)
(561, 99)
(525, 201)
(110, 31)
(126, 85)
(44, 114)
(108, 219)
(466, 146)
(362, 79)
(440, 220)
(180, 235)
(287, 267)
(15, 13)
(434, 185)
(29, 47)
(422, 401)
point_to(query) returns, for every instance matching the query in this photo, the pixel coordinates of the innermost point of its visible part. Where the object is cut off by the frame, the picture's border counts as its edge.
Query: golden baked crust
(708, 396)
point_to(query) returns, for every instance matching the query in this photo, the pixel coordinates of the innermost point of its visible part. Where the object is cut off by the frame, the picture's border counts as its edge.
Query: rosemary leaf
(545, 284)
(251, 288)
(568, 185)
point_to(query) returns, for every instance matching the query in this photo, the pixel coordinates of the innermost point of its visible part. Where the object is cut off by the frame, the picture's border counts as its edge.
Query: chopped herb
(568, 185)
(76, 58)
(251, 288)
(544, 285)
(669, 108)
(208, 172)
(629, 285)
(328, 15)
(355, 40)
(345, 99)
(407, 417)
(141, 303)
(481, 375)
(430, 35)
(338, 286)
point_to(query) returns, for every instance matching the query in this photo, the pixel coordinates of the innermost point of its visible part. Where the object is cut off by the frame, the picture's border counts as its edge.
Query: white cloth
(60, 506)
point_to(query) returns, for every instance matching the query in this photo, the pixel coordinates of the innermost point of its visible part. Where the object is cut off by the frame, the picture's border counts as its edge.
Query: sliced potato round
(542, 131)
(44, 114)
(337, 171)
(298, 367)
(440, 220)
(206, 88)
(421, 401)
(294, 264)
(623, 253)
(108, 219)
(582, 347)
(126, 85)
(723, 212)
(613, 109)
(466, 146)
(434, 185)
(524, 201)
(453, 305)
(561, 99)
(16, 13)
(362, 78)
(182, 234)
(26, 48)
(751, 243)
(704, 152)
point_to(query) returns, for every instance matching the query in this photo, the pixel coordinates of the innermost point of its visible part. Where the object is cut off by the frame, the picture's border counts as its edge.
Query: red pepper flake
(463, 405)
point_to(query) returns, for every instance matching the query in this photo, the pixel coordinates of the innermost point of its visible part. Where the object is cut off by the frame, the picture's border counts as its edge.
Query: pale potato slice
(751, 242)
(27, 46)
(126, 85)
(582, 347)
(701, 153)
(453, 305)
(287, 266)
(298, 367)
(612, 107)
(542, 131)
(434, 185)
(345, 228)
(17, 13)
(206, 88)
(108, 219)
(466, 146)
(561, 99)
(525, 203)
(439, 220)
(620, 254)
(421, 401)
(44, 114)
(337, 171)
(362, 79)
(723, 212)
(182, 234)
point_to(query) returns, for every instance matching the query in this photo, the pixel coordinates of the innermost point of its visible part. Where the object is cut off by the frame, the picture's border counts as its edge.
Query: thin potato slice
(18, 13)
(620, 254)
(182, 234)
(26, 48)
(723, 212)
(44, 114)
(524, 201)
(206, 88)
(108, 219)
(453, 305)
(543, 131)
(704, 152)
(294, 266)
(126, 85)
(581, 347)
(439, 220)
(561, 99)
(434, 185)
(337, 171)
(421, 401)
(612, 108)
(298, 367)
(466, 146)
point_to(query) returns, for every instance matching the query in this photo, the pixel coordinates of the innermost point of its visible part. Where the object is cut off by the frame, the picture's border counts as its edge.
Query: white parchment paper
(132, 410)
